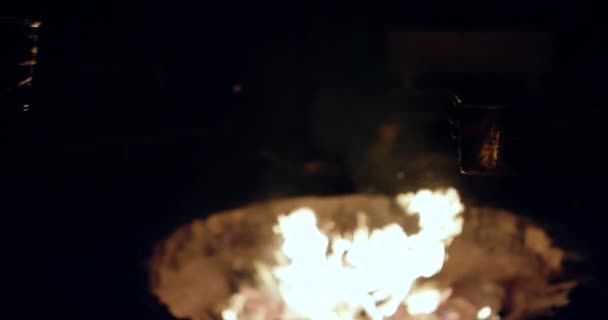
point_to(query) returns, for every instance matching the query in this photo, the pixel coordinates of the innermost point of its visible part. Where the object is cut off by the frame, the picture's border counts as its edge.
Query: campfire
(419, 256)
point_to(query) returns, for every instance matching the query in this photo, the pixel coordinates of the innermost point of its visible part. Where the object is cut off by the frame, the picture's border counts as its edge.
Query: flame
(423, 300)
(371, 272)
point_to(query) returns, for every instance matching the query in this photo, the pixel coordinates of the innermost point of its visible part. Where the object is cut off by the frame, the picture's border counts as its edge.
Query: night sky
(145, 117)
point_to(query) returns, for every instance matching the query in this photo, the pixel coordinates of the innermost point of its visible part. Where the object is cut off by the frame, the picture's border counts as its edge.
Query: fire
(371, 272)
(423, 301)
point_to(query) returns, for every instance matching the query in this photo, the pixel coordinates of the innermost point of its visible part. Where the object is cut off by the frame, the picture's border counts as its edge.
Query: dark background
(135, 129)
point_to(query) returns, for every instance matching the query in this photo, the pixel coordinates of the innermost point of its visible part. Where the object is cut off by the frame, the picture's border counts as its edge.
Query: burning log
(499, 262)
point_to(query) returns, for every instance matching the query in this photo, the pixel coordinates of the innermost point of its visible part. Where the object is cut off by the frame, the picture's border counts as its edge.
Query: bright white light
(423, 302)
(371, 271)
(484, 313)
(229, 315)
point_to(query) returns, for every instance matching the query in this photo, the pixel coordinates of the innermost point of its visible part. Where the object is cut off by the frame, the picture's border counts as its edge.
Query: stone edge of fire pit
(191, 270)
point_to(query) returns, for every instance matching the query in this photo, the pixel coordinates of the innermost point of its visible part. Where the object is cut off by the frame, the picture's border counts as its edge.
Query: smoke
(332, 100)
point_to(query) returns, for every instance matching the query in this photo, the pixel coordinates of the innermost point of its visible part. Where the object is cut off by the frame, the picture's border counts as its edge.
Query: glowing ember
(368, 272)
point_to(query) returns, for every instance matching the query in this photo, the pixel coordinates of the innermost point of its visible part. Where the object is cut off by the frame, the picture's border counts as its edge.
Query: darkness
(145, 117)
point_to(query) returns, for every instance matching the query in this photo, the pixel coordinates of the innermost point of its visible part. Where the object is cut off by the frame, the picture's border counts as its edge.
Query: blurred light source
(484, 313)
(236, 88)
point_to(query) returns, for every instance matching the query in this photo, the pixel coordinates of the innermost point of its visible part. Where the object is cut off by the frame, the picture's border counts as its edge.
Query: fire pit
(419, 256)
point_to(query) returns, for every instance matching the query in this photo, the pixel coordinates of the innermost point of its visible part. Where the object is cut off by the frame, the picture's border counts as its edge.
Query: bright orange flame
(371, 272)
